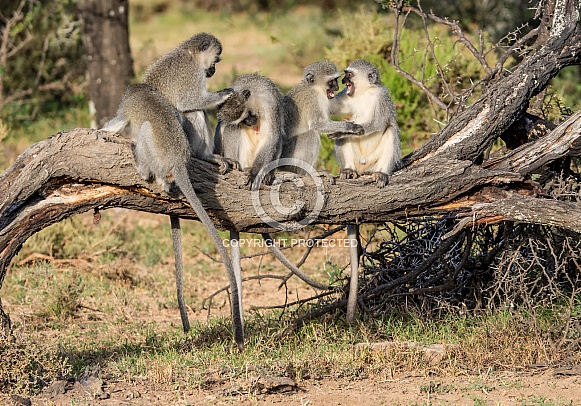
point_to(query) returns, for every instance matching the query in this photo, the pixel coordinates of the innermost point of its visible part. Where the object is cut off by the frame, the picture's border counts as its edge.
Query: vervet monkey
(162, 152)
(251, 130)
(258, 100)
(307, 116)
(180, 76)
(376, 151)
(307, 111)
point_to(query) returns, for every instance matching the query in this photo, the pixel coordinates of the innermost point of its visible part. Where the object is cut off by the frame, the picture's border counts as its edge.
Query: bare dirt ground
(529, 388)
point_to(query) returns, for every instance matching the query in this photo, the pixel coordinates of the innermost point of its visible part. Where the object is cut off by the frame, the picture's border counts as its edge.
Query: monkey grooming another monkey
(306, 117)
(180, 77)
(162, 153)
(250, 130)
(376, 151)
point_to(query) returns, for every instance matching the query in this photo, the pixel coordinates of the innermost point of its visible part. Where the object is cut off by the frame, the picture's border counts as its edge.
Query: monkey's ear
(372, 76)
(310, 78)
(246, 94)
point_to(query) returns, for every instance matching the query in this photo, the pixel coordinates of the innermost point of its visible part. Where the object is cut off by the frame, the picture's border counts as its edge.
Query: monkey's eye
(332, 82)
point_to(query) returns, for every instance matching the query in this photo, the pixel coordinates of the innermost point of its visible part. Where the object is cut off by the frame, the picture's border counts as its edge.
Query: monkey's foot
(233, 164)
(224, 164)
(348, 174)
(328, 175)
(381, 179)
(251, 181)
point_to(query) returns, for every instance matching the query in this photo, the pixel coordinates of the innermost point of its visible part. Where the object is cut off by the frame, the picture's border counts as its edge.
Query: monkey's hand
(351, 130)
(355, 128)
(225, 93)
(348, 174)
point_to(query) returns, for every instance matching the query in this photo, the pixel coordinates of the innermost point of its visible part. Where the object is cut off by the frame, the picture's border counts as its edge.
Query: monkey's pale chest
(253, 135)
(250, 145)
(366, 151)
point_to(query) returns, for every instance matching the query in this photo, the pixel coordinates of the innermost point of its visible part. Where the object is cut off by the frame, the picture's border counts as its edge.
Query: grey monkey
(180, 76)
(257, 100)
(376, 151)
(251, 130)
(307, 114)
(162, 153)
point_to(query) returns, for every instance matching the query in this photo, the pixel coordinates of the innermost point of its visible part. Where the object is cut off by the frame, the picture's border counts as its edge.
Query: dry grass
(117, 309)
(276, 45)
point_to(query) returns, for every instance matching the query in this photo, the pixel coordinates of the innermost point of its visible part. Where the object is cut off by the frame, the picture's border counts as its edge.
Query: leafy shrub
(46, 69)
(369, 34)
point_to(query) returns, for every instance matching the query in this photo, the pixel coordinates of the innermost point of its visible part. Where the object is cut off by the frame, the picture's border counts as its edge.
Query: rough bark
(473, 130)
(81, 170)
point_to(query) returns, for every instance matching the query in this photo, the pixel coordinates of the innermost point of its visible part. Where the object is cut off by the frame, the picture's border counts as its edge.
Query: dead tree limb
(82, 169)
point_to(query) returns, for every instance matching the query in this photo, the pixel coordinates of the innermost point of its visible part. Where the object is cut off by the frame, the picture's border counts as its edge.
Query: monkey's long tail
(236, 264)
(182, 179)
(176, 236)
(286, 262)
(352, 231)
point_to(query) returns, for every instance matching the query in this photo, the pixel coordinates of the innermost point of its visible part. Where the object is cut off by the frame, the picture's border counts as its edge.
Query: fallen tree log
(82, 169)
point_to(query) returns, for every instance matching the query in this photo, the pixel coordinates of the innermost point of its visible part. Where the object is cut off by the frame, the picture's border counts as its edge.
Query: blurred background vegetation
(44, 85)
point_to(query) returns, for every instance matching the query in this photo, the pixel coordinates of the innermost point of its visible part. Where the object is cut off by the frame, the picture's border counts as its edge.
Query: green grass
(160, 353)
(17, 138)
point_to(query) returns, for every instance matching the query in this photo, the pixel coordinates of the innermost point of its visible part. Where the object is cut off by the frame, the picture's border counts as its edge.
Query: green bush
(368, 35)
(48, 71)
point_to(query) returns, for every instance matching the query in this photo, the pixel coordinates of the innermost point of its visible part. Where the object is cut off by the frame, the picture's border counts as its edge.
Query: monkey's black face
(332, 87)
(210, 71)
(250, 120)
(347, 81)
